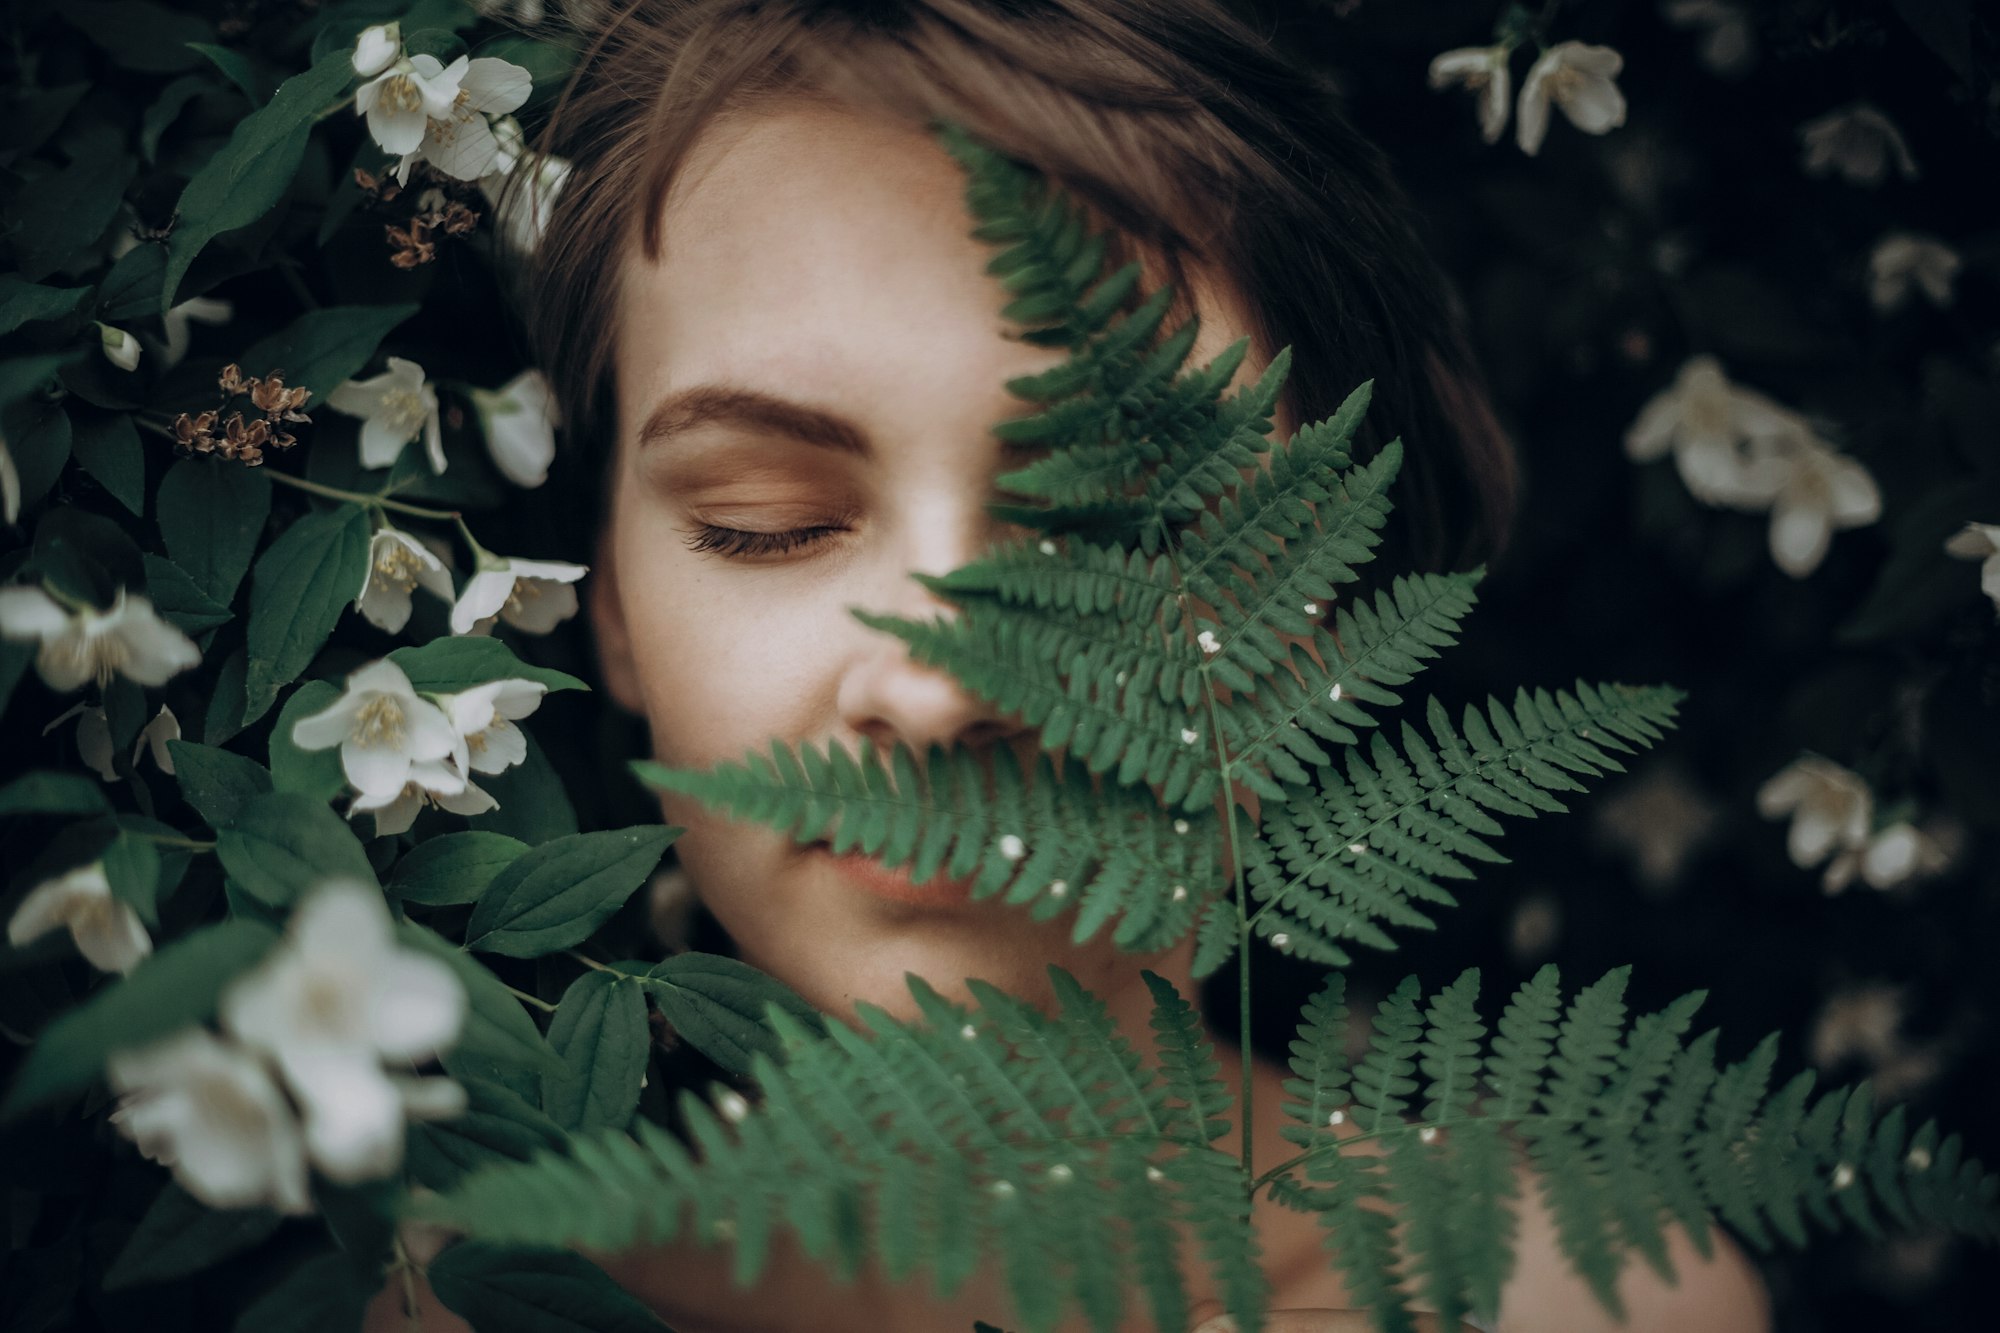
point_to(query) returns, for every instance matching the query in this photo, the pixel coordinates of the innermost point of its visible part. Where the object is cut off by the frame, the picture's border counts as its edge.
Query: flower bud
(377, 49)
(121, 349)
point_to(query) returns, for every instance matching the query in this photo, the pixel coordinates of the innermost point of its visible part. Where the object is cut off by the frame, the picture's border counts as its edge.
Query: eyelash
(739, 544)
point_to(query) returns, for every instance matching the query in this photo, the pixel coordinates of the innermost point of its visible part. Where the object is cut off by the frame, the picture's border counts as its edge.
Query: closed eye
(746, 544)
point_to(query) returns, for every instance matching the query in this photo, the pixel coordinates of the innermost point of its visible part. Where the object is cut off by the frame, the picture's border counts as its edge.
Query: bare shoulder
(1719, 1293)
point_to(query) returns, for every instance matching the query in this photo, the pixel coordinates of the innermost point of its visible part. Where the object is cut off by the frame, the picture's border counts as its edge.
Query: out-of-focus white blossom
(1659, 818)
(1891, 856)
(382, 728)
(1902, 261)
(1859, 143)
(1864, 1023)
(1483, 69)
(397, 564)
(531, 595)
(1980, 541)
(522, 186)
(77, 647)
(395, 407)
(1577, 77)
(484, 718)
(519, 420)
(1720, 434)
(154, 737)
(199, 310)
(1728, 43)
(377, 48)
(107, 932)
(1830, 806)
(333, 1001)
(211, 1113)
(1822, 490)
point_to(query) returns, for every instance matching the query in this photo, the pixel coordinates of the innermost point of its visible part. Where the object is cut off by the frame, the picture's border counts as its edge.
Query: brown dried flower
(412, 245)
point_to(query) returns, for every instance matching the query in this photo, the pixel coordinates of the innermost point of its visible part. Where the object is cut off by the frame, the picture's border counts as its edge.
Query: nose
(887, 696)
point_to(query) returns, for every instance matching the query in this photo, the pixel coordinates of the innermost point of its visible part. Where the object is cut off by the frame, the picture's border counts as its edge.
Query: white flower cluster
(335, 1000)
(519, 419)
(1735, 447)
(402, 751)
(1577, 77)
(423, 110)
(1833, 814)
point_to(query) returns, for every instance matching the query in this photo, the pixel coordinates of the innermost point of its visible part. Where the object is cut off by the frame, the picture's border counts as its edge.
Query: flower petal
(496, 86)
(417, 1006)
(483, 595)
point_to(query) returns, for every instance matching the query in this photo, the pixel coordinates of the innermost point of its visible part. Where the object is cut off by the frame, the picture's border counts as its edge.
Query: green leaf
(600, 1032)
(139, 34)
(496, 1026)
(254, 77)
(254, 169)
(25, 302)
(454, 868)
(717, 1005)
(301, 585)
(56, 216)
(499, 1125)
(180, 1235)
(316, 773)
(225, 707)
(461, 661)
(217, 782)
(106, 445)
(321, 1295)
(132, 289)
(534, 805)
(180, 599)
(132, 867)
(557, 894)
(85, 555)
(322, 349)
(40, 450)
(281, 845)
(178, 985)
(47, 793)
(506, 1289)
(211, 513)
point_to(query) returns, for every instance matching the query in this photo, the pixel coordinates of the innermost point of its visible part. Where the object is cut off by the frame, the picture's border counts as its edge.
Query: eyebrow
(754, 410)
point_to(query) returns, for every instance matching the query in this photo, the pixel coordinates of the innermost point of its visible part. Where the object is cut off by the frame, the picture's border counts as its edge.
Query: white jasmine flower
(1720, 435)
(211, 1112)
(398, 563)
(107, 932)
(402, 101)
(1831, 808)
(377, 48)
(519, 420)
(383, 729)
(1857, 141)
(1822, 490)
(431, 782)
(1891, 856)
(394, 408)
(93, 738)
(121, 349)
(129, 640)
(1483, 69)
(10, 486)
(1980, 541)
(154, 736)
(484, 718)
(531, 595)
(459, 139)
(1902, 260)
(334, 1000)
(1578, 78)
(522, 203)
(200, 309)
(1728, 44)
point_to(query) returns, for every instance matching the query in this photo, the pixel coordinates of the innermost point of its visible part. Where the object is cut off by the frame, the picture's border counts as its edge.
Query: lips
(872, 877)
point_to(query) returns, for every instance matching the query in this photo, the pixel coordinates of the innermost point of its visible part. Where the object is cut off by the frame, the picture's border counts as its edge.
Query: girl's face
(806, 381)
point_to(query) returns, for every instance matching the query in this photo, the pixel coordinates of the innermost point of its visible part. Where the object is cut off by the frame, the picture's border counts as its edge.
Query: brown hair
(1172, 120)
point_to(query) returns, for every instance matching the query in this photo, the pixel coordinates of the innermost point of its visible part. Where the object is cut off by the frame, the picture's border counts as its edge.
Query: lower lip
(870, 875)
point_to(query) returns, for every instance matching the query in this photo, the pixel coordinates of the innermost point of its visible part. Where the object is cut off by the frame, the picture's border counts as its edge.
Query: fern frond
(990, 1130)
(1627, 1130)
